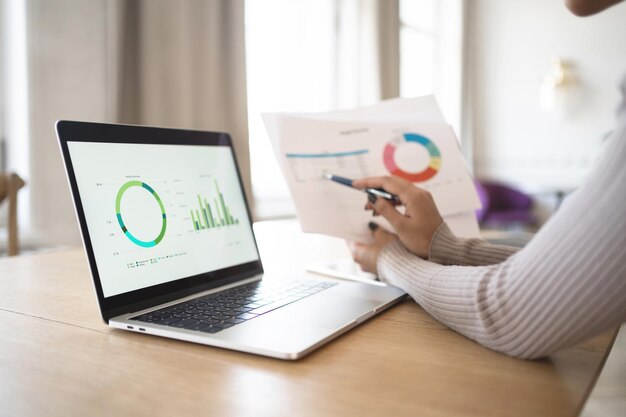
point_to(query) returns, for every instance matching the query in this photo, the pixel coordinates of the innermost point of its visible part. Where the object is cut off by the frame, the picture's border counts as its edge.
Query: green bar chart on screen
(208, 216)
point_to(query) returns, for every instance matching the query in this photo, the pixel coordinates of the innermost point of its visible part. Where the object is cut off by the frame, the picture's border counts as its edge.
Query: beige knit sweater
(567, 285)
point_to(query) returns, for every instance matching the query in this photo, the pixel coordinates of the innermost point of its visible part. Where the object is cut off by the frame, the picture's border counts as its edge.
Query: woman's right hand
(418, 224)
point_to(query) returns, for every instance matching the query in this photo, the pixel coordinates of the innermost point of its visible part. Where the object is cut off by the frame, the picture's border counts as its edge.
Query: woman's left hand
(366, 254)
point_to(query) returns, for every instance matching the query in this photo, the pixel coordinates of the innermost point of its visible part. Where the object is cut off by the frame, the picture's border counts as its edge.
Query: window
(13, 89)
(417, 47)
(431, 40)
(290, 68)
(2, 82)
(320, 55)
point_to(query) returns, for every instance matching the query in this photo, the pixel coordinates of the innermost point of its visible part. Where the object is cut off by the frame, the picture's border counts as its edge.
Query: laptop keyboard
(215, 312)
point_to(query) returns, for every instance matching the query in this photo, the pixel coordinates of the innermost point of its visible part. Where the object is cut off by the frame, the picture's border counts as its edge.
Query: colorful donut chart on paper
(430, 171)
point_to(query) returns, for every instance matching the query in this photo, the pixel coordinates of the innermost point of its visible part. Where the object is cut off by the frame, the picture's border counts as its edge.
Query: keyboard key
(270, 300)
(274, 306)
(184, 323)
(211, 329)
(208, 322)
(167, 321)
(224, 325)
(197, 326)
(231, 313)
(246, 316)
(235, 321)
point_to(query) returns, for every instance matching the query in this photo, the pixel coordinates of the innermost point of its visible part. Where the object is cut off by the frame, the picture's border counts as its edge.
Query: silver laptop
(169, 238)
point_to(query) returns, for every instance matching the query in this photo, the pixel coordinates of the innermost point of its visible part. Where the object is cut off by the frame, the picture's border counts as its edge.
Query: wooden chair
(10, 184)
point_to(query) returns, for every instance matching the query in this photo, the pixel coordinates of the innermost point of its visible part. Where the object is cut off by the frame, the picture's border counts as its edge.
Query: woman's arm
(567, 285)
(422, 230)
(447, 249)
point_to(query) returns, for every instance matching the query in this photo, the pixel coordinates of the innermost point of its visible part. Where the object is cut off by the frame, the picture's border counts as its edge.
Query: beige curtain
(178, 63)
(181, 63)
(367, 53)
(388, 47)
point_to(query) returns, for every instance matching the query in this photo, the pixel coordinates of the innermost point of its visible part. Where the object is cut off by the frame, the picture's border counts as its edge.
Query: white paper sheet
(463, 225)
(422, 109)
(403, 137)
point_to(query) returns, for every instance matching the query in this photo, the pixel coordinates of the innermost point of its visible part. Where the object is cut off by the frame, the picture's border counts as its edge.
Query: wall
(74, 62)
(66, 73)
(511, 45)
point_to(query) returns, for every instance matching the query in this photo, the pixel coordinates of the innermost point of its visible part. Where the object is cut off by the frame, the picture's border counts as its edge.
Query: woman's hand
(418, 224)
(366, 255)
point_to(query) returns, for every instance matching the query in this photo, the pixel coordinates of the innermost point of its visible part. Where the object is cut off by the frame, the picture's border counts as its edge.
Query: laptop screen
(160, 213)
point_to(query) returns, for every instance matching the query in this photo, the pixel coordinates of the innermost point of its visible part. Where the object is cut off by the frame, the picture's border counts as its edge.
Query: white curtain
(368, 51)
(178, 63)
(181, 63)
(314, 55)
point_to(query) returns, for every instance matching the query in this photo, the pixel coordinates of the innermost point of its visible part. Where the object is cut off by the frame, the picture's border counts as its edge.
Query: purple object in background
(503, 206)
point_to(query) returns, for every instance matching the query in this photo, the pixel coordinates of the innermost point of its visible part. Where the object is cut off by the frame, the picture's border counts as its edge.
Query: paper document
(406, 138)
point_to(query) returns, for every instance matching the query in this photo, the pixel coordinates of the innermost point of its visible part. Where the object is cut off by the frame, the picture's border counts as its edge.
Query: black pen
(378, 192)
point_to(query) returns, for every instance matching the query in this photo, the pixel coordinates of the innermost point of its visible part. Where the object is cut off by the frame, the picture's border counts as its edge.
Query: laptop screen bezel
(74, 131)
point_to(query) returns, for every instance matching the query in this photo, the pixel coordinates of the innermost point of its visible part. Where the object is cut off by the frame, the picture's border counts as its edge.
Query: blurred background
(530, 89)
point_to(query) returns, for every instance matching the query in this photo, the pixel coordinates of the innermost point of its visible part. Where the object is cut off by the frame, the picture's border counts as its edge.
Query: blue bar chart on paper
(313, 166)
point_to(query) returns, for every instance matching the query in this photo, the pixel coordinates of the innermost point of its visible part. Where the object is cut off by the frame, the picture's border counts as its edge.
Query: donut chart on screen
(129, 235)
(430, 171)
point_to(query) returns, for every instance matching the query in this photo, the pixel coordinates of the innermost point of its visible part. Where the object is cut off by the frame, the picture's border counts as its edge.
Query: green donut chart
(129, 235)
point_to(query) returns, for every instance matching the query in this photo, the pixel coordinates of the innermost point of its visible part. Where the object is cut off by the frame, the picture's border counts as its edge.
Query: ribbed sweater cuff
(396, 265)
(385, 261)
(447, 249)
(443, 239)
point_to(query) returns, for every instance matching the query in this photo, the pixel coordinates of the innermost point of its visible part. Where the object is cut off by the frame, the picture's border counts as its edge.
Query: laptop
(169, 239)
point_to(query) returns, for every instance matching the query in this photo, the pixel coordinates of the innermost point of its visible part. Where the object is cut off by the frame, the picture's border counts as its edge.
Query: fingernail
(372, 198)
(373, 226)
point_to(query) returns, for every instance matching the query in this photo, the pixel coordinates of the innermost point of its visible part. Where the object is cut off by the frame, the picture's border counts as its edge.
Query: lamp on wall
(557, 86)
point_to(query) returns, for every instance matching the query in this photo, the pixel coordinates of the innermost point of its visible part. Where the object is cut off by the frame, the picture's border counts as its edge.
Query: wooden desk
(58, 358)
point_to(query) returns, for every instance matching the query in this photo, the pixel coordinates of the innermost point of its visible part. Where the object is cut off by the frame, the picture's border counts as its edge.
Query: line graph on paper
(313, 166)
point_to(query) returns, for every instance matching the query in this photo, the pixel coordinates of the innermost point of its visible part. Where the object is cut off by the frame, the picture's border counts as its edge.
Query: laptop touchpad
(324, 310)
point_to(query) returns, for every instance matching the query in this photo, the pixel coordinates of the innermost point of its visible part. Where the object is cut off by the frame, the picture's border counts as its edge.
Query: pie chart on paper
(413, 157)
